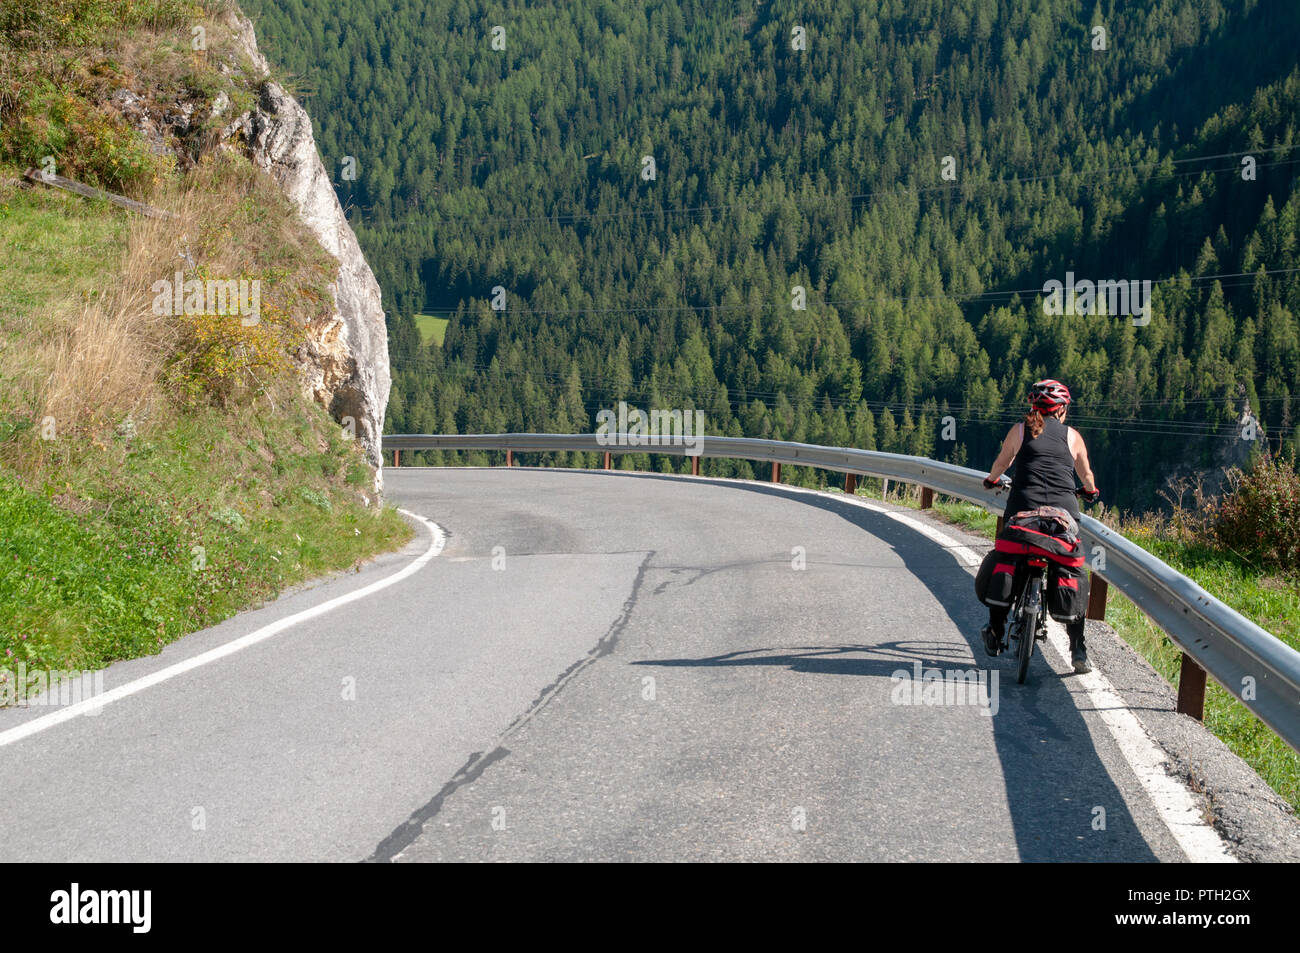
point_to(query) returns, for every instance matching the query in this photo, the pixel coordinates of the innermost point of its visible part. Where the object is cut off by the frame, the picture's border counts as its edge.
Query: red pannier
(1049, 532)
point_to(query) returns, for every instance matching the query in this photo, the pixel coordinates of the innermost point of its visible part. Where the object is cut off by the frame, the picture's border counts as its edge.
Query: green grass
(112, 546)
(142, 541)
(53, 248)
(119, 537)
(1271, 602)
(433, 329)
(974, 518)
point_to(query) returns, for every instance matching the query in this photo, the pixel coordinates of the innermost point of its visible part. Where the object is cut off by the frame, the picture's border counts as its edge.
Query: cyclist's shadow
(1063, 803)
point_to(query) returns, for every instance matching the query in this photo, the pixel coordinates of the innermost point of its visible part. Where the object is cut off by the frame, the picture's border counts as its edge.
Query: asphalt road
(597, 666)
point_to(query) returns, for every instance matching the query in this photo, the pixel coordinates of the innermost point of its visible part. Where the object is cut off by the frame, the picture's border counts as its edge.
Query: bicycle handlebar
(1004, 483)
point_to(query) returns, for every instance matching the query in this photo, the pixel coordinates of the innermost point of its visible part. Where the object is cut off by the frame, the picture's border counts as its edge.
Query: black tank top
(1044, 471)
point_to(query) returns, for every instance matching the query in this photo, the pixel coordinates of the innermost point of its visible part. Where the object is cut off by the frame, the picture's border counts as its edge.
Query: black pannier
(1067, 592)
(995, 581)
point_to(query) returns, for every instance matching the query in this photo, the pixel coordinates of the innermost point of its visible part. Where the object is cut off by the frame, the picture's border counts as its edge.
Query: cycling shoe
(992, 640)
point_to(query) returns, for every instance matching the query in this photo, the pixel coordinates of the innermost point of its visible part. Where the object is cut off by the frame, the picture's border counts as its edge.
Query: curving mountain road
(595, 666)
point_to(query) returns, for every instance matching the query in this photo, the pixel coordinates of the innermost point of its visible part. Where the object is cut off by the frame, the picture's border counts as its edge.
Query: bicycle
(1027, 620)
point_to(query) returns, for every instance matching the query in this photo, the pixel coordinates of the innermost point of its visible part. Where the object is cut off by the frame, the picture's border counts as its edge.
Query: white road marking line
(1174, 803)
(963, 553)
(97, 704)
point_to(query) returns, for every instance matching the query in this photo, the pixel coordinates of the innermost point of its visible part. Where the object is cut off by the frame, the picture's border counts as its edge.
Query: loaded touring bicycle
(1035, 568)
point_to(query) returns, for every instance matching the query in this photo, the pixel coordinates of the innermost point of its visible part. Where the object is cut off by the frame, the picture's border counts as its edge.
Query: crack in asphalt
(406, 834)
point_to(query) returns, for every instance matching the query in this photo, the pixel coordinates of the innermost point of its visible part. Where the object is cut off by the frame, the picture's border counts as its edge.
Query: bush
(45, 24)
(315, 498)
(220, 360)
(47, 104)
(88, 142)
(1260, 518)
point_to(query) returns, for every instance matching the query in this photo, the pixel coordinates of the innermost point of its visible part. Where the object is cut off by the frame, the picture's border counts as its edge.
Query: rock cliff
(345, 364)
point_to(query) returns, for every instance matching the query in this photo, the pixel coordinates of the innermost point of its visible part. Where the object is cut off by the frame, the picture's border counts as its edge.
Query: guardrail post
(776, 473)
(608, 458)
(1098, 590)
(884, 488)
(695, 466)
(1191, 689)
(850, 483)
(927, 497)
(397, 458)
(510, 458)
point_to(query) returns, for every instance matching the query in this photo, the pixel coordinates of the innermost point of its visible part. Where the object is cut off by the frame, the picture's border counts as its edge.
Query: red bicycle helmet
(1049, 396)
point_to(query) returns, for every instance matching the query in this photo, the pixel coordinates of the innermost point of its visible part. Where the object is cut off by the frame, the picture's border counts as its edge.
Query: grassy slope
(432, 328)
(1269, 602)
(53, 252)
(145, 520)
(98, 558)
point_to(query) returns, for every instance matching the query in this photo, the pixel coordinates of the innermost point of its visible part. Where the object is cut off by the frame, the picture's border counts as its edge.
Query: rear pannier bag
(1047, 531)
(994, 583)
(1067, 593)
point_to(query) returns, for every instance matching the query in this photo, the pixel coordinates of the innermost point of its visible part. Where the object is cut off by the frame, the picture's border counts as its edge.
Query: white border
(96, 704)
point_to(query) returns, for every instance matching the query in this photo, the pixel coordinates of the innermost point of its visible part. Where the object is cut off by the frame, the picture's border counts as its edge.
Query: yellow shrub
(222, 357)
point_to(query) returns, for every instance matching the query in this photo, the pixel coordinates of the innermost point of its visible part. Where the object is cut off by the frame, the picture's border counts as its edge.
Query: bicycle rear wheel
(1028, 625)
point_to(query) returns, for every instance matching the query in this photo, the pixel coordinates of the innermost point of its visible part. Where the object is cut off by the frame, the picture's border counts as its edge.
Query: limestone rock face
(345, 361)
(1189, 482)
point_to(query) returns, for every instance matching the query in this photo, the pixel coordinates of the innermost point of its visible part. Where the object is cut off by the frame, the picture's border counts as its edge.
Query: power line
(1013, 407)
(770, 400)
(642, 387)
(850, 302)
(572, 218)
(1009, 407)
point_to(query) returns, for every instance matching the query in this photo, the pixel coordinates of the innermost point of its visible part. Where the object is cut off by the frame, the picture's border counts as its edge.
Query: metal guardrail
(1261, 671)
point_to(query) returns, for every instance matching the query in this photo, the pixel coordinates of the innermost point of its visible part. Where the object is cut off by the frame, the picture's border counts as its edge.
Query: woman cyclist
(1046, 454)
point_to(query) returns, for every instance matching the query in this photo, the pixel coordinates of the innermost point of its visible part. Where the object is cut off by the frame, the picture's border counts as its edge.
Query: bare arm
(1081, 465)
(1010, 447)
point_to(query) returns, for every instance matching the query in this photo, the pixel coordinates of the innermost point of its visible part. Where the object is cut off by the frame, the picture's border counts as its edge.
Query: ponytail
(1034, 424)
